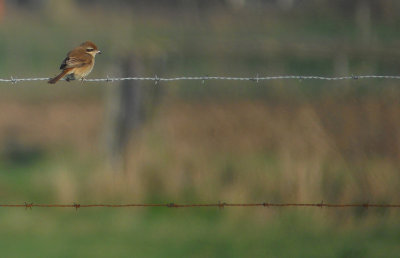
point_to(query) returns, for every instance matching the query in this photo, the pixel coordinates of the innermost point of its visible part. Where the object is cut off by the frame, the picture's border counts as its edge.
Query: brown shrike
(78, 63)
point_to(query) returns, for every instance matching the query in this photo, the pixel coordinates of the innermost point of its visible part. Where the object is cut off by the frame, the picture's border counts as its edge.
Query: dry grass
(232, 151)
(252, 150)
(51, 123)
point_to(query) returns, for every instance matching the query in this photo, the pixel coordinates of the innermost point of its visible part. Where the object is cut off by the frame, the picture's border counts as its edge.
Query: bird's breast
(84, 70)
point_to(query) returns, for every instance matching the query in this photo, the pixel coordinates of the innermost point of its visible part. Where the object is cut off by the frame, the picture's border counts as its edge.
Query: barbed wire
(202, 205)
(257, 78)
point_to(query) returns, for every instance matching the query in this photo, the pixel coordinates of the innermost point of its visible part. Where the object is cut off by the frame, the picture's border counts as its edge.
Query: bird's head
(90, 48)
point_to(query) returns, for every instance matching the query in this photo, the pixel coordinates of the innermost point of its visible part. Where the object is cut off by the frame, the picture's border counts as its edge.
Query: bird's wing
(76, 60)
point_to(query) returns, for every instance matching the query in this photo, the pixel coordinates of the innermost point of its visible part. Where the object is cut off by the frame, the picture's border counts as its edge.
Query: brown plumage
(78, 63)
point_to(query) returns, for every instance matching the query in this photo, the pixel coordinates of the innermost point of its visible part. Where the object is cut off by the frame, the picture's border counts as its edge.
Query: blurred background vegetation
(276, 141)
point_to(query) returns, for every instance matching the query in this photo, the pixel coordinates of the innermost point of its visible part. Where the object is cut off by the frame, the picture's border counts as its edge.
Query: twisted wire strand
(204, 205)
(157, 79)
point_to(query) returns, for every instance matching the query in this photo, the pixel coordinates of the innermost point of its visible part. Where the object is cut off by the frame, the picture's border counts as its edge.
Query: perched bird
(78, 63)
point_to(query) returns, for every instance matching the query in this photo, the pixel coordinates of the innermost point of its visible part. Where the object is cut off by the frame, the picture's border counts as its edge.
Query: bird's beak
(98, 52)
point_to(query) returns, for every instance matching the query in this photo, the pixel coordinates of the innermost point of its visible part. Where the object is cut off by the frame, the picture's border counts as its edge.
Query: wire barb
(109, 79)
(13, 80)
(203, 81)
(156, 80)
(77, 206)
(255, 79)
(28, 205)
(221, 205)
(172, 205)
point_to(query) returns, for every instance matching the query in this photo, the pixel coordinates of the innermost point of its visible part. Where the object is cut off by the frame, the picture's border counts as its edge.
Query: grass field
(191, 233)
(232, 166)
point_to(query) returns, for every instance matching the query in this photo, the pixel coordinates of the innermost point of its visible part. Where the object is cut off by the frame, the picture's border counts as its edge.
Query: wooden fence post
(124, 113)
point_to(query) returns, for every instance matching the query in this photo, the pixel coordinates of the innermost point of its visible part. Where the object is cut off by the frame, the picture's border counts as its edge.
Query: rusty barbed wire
(202, 205)
(256, 78)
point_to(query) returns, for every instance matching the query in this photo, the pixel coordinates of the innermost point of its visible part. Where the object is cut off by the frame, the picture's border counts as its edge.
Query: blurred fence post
(363, 19)
(341, 64)
(124, 113)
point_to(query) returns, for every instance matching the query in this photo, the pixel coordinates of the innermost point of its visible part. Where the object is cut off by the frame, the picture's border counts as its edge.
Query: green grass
(186, 233)
(173, 232)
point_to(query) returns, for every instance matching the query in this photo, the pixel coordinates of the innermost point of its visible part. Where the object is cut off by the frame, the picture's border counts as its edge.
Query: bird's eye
(89, 49)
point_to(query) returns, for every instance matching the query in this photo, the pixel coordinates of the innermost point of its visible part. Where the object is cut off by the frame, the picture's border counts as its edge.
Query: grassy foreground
(64, 177)
(188, 233)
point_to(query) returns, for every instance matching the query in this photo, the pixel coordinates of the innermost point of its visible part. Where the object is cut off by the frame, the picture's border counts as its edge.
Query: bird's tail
(58, 77)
